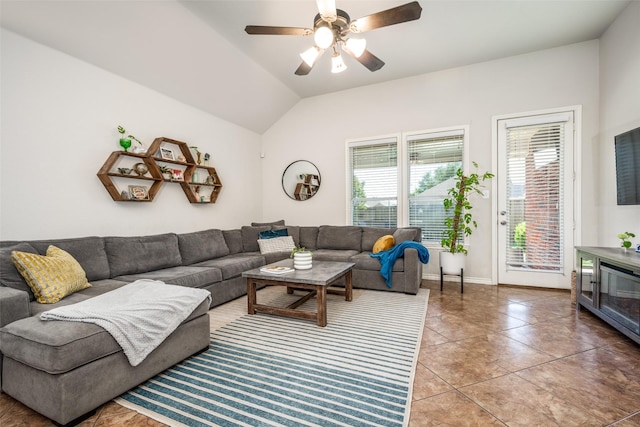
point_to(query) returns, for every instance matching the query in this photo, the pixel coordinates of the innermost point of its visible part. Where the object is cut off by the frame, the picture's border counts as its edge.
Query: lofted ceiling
(197, 52)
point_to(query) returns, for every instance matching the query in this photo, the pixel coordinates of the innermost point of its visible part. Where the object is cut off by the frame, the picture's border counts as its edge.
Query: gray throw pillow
(262, 224)
(403, 234)
(250, 236)
(233, 238)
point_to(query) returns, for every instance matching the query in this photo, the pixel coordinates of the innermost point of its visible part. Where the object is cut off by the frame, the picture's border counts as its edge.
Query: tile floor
(494, 356)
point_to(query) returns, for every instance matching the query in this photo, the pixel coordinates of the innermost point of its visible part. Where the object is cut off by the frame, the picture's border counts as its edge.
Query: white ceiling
(197, 51)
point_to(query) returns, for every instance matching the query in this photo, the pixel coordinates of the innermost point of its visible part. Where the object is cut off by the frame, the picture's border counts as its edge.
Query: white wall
(619, 112)
(59, 118)
(316, 128)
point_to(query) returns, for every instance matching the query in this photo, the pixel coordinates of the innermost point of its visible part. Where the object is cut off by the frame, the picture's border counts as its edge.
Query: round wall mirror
(301, 180)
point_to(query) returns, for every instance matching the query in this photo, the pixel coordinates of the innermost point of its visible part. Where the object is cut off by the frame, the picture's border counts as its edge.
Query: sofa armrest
(14, 305)
(412, 271)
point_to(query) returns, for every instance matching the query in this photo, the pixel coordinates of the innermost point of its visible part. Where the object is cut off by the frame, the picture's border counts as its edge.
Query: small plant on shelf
(624, 239)
(125, 141)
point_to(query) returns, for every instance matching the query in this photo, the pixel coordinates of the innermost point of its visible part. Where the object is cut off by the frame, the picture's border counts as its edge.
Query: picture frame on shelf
(178, 175)
(167, 153)
(138, 192)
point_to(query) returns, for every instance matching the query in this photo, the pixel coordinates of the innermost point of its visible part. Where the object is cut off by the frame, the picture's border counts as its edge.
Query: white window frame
(402, 165)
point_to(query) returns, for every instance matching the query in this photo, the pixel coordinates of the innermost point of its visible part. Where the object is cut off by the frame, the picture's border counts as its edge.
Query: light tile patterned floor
(493, 356)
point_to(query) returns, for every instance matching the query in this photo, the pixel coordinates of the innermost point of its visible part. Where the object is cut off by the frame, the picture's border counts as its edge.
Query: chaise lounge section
(65, 369)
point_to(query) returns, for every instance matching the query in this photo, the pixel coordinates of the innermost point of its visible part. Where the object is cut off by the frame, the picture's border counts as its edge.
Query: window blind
(374, 182)
(433, 160)
(535, 196)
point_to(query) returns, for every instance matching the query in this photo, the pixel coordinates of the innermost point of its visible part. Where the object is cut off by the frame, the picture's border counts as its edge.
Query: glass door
(620, 295)
(586, 278)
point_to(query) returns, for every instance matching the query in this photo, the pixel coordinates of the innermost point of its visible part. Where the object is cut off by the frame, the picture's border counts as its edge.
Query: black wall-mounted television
(627, 147)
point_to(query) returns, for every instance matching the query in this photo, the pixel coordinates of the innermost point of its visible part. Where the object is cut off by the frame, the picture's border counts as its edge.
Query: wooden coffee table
(317, 281)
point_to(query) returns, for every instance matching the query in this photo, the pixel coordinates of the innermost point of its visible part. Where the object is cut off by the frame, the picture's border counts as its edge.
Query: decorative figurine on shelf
(206, 159)
(198, 153)
(210, 180)
(140, 169)
(125, 141)
(182, 159)
(197, 193)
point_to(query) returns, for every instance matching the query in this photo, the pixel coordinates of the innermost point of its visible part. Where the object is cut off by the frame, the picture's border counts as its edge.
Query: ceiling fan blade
(368, 59)
(303, 69)
(397, 15)
(278, 31)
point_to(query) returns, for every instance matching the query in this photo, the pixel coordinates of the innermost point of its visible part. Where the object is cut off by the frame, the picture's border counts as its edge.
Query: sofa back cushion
(233, 238)
(9, 275)
(292, 230)
(408, 233)
(131, 255)
(88, 251)
(308, 237)
(340, 237)
(250, 236)
(201, 246)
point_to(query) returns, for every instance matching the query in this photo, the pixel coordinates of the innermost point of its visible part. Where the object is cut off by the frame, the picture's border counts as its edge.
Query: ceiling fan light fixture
(323, 36)
(327, 9)
(337, 64)
(356, 46)
(310, 55)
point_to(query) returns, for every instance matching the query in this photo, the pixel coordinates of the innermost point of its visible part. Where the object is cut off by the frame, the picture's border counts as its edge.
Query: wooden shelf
(207, 177)
(105, 174)
(307, 188)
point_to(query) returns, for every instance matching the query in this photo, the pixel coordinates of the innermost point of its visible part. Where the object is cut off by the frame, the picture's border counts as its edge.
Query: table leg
(321, 297)
(251, 296)
(348, 287)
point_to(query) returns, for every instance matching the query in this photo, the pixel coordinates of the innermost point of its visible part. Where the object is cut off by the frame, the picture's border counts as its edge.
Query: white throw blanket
(139, 315)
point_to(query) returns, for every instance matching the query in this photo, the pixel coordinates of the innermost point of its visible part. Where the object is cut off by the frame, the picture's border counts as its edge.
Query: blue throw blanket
(389, 257)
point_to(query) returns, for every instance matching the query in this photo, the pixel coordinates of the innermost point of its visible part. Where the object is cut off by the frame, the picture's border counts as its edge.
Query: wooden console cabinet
(608, 285)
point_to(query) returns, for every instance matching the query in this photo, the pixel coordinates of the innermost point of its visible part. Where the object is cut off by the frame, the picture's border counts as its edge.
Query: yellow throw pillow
(384, 243)
(50, 277)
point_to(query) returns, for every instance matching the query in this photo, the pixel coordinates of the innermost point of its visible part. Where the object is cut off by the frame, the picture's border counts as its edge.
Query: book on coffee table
(276, 269)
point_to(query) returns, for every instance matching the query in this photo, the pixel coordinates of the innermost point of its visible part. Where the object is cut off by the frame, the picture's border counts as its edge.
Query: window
(378, 197)
(373, 176)
(433, 159)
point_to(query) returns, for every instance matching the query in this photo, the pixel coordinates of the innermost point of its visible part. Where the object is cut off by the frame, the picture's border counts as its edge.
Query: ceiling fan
(331, 28)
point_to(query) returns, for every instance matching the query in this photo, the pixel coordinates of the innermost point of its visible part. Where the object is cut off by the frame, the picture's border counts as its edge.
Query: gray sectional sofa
(65, 370)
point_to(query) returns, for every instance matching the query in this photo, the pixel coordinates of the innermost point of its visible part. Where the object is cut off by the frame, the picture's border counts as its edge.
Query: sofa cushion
(404, 234)
(88, 251)
(271, 234)
(308, 237)
(9, 274)
(366, 262)
(59, 347)
(250, 236)
(383, 244)
(50, 277)
(338, 255)
(233, 265)
(189, 276)
(202, 245)
(292, 230)
(371, 234)
(233, 238)
(133, 255)
(340, 237)
(269, 224)
(278, 244)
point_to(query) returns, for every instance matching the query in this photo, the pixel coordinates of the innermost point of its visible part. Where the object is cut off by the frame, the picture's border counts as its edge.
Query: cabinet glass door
(620, 296)
(586, 277)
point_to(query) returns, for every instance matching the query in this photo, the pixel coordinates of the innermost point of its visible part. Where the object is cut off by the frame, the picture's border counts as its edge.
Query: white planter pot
(302, 260)
(452, 263)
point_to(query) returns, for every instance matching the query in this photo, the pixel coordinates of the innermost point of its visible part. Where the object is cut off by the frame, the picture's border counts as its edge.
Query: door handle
(503, 213)
(503, 222)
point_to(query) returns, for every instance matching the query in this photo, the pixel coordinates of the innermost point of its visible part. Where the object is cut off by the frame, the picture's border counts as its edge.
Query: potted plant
(624, 239)
(460, 223)
(302, 258)
(125, 141)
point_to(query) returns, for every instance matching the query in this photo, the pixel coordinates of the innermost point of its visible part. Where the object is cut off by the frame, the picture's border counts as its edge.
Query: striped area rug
(265, 370)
